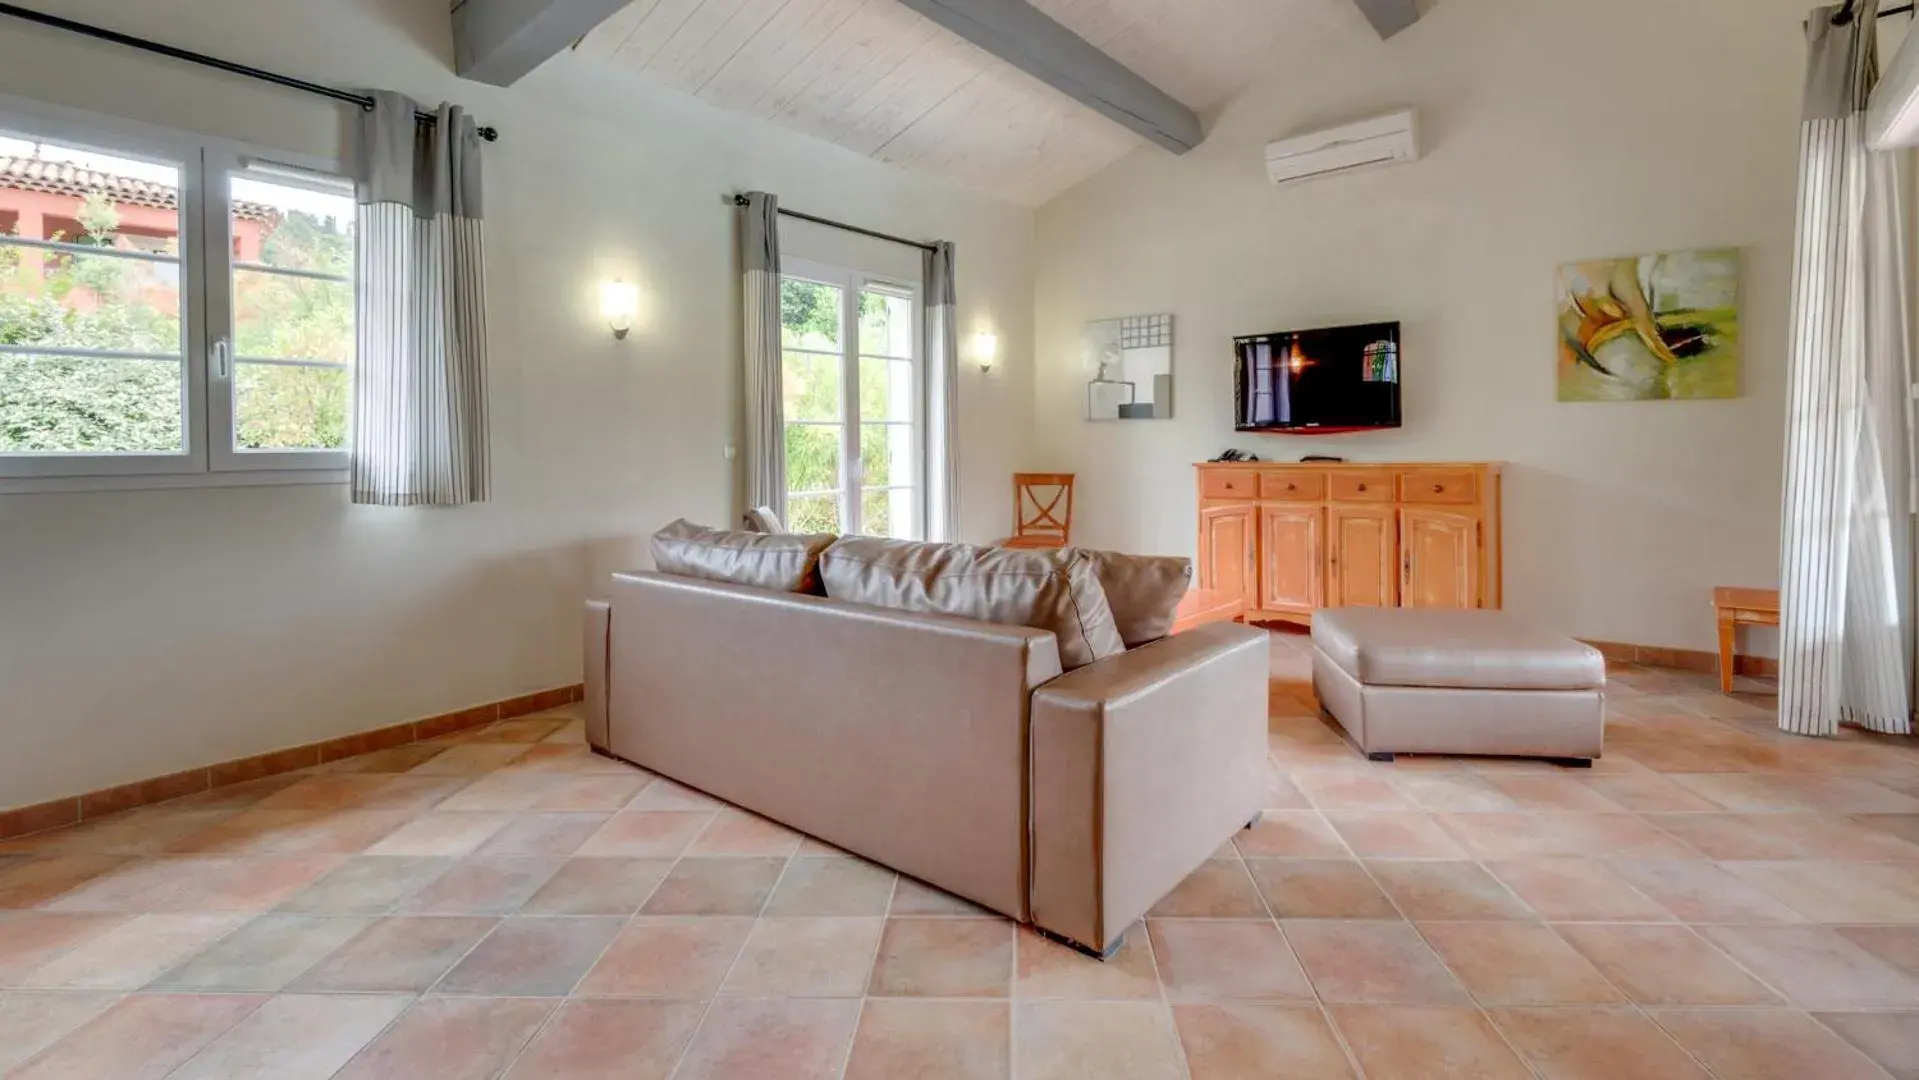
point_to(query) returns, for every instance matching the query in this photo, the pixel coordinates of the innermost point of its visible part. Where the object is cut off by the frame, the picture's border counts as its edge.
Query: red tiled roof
(66, 178)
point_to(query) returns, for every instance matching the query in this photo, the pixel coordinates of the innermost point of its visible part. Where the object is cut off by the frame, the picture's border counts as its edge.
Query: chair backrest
(1043, 506)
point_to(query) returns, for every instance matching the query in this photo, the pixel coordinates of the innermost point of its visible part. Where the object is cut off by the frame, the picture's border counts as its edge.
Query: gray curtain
(419, 373)
(765, 411)
(1845, 626)
(940, 324)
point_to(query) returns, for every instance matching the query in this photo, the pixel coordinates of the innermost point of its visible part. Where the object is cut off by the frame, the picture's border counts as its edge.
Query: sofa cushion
(783, 562)
(1058, 591)
(1440, 647)
(1144, 592)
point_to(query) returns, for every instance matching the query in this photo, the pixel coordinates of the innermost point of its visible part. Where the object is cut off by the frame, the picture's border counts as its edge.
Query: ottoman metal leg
(1380, 756)
(1572, 762)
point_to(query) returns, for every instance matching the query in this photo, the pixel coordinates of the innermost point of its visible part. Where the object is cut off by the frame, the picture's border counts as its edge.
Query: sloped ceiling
(874, 77)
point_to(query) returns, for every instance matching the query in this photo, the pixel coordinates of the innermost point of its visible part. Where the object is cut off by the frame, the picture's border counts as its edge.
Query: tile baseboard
(39, 817)
(1758, 667)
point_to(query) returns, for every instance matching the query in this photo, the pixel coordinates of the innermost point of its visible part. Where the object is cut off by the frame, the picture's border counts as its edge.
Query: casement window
(173, 309)
(851, 374)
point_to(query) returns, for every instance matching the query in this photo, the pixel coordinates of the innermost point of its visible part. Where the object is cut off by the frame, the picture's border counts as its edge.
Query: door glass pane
(892, 513)
(887, 455)
(110, 285)
(814, 514)
(810, 385)
(886, 389)
(293, 303)
(886, 324)
(809, 315)
(812, 457)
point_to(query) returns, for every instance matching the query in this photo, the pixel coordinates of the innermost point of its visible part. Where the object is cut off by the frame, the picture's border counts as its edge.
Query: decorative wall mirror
(1131, 361)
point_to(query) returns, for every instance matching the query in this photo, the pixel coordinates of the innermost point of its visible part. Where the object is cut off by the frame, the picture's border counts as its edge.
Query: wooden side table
(1203, 606)
(1734, 606)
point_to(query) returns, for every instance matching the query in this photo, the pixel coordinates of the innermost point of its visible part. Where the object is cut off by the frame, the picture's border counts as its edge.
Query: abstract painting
(1132, 364)
(1650, 328)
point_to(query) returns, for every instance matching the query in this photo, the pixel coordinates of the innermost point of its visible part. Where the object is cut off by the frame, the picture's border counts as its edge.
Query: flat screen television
(1318, 382)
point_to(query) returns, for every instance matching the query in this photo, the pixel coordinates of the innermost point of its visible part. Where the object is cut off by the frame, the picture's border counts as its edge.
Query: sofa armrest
(1143, 764)
(599, 628)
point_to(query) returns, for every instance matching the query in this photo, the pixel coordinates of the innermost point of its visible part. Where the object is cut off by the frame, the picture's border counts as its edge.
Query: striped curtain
(419, 375)
(1846, 548)
(939, 322)
(761, 373)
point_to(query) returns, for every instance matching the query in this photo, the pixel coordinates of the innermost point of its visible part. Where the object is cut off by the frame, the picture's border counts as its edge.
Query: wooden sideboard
(1296, 537)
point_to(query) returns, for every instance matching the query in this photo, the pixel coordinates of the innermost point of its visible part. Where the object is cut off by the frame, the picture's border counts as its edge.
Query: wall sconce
(985, 349)
(619, 302)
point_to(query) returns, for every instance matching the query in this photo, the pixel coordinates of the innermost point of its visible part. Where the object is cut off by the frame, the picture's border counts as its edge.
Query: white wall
(144, 632)
(1557, 130)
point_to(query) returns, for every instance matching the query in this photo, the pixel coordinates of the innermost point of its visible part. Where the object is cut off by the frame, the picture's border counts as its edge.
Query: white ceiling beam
(1389, 17)
(1029, 39)
(498, 41)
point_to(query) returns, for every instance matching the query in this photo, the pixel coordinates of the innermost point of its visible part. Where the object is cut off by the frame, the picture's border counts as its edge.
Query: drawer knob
(1292, 487)
(1362, 487)
(1438, 488)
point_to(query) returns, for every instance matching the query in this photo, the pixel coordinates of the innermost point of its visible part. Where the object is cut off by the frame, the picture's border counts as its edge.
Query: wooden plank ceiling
(874, 77)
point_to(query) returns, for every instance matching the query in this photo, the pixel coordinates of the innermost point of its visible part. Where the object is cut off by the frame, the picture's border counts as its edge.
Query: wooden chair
(1038, 520)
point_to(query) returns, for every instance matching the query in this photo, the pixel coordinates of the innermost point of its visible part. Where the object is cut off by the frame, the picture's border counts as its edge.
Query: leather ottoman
(1431, 681)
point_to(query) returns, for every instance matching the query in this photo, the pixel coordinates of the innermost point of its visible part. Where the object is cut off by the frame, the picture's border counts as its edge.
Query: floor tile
(1539, 833)
(130, 955)
(1231, 1042)
(639, 833)
(1595, 1044)
(947, 958)
(1320, 889)
(1398, 1042)
(1891, 1039)
(1372, 962)
(1553, 792)
(294, 1037)
(1831, 892)
(1219, 889)
(1342, 790)
(832, 885)
(1666, 965)
(914, 897)
(1446, 889)
(1455, 792)
(555, 834)
(951, 1040)
(1049, 970)
(771, 1040)
(664, 794)
(1745, 792)
(805, 957)
(1702, 892)
(397, 954)
(1083, 1040)
(482, 885)
(1576, 890)
(452, 833)
(736, 832)
(1901, 826)
(1388, 834)
(667, 957)
(1650, 793)
(1765, 1044)
(29, 939)
(451, 1038)
(264, 955)
(531, 956)
(469, 759)
(1226, 960)
(720, 885)
(598, 886)
(367, 885)
(32, 1020)
(45, 880)
(1896, 945)
(1817, 968)
(144, 1037)
(1291, 832)
(593, 1040)
(256, 883)
(1511, 963)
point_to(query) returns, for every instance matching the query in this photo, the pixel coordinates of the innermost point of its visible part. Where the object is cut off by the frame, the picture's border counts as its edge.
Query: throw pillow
(782, 562)
(761, 519)
(1144, 592)
(1058, 591)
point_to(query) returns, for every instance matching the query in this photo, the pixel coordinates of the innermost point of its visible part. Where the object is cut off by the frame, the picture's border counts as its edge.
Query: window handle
(222, 362)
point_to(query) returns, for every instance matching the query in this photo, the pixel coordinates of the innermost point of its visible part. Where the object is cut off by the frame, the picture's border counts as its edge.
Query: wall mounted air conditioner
(1382, 140)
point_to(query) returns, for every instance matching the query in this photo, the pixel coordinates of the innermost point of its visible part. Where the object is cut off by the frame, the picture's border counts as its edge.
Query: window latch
(222, 368)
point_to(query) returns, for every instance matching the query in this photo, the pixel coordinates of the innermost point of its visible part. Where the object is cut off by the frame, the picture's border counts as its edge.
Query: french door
(851, 378)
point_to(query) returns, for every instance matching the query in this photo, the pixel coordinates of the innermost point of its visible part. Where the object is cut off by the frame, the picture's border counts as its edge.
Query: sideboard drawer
(1439, 486)
(1228, 484)
(1363, 486)
(1292, 486)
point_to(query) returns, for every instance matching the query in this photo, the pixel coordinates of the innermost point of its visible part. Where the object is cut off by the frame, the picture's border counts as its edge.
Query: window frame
(207, 403)
(852, 283)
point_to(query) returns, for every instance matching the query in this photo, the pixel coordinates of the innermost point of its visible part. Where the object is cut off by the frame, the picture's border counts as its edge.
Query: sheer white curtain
(1846, 547)
(419, 372)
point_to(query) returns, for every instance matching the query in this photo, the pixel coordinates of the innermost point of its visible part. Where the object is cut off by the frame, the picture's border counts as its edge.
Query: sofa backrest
(898, 736)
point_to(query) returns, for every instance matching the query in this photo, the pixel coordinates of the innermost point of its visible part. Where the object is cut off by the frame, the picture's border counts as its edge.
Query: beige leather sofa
(951, 750)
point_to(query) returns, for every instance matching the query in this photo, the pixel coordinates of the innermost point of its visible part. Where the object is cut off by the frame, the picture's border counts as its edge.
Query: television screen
(1344, 378)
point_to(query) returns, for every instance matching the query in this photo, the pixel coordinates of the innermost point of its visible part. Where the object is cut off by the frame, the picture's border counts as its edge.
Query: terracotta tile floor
(1715, 899)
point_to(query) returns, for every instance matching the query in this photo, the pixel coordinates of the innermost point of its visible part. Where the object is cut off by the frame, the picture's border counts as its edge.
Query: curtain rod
(288, 81)
(1844, 15)
(741, 200)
